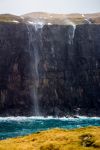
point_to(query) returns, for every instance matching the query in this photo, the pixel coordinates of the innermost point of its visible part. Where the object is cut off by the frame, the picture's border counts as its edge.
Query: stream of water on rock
(33, 46)
(72, 34)
(34, 42)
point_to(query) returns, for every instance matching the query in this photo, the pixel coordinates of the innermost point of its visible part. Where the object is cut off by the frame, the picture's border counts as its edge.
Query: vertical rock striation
(50, 69)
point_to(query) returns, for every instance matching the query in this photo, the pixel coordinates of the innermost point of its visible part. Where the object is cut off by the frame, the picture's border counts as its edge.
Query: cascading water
(33, 46)
(36, 85)
(72, 33)
(35, 43)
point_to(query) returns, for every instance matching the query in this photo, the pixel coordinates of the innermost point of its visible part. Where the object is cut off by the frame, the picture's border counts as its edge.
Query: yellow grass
(56, 139)
(9, 18)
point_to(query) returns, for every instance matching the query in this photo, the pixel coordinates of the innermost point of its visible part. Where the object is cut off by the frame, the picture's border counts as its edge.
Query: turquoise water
(18, 126)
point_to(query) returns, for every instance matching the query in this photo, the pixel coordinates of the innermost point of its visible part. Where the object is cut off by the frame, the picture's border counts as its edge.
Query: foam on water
(18, 126)
(23, 118)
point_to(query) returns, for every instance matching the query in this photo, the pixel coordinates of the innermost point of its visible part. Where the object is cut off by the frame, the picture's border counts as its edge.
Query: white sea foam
(24, 118)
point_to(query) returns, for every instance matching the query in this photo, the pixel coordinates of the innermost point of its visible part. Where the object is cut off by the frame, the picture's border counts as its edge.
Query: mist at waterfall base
(19, 126)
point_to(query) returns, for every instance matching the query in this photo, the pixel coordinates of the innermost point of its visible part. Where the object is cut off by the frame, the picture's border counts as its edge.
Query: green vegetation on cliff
(56, 139)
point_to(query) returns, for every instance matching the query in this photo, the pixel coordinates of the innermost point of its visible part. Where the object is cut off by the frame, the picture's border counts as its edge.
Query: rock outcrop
(49, 67)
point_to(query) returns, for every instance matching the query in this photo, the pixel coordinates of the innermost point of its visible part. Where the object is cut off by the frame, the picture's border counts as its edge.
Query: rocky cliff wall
(52, 68)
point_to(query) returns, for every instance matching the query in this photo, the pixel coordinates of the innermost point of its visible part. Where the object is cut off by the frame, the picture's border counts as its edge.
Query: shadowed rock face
(82, 71)
(68, 69)
(14, 68)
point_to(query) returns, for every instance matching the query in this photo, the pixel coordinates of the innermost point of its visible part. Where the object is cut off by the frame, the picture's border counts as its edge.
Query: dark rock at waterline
(68, 69)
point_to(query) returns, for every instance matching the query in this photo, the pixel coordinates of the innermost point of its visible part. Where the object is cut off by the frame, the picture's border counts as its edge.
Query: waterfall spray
(33, 46)
(72, 33)
(36, 84)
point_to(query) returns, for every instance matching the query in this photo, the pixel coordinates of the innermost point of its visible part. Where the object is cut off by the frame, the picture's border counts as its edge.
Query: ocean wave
(23, 118)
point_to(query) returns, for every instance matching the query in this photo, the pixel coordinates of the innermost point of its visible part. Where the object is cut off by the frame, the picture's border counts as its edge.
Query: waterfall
(36, 85)
(71, 34)
(73, 31)
(33, 47)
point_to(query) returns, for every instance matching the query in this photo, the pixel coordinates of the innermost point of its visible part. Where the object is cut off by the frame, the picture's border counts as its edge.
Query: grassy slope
(9, 18)
(75, 18)
(56, 139)
(62, 19)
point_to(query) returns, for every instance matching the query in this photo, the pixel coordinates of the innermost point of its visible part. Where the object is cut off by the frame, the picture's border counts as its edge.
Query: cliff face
(50, 69)
(82, 72)
(14, 61)
(72, 81)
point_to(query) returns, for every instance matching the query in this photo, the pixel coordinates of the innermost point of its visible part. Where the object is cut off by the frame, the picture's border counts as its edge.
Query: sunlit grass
(9, 18)
(56, 139)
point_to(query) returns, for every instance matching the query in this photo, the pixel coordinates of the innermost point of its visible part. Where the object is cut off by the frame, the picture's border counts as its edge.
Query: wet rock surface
(66, 78)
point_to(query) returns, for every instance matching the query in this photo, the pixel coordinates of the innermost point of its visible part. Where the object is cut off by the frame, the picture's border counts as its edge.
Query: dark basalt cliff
(56, 65)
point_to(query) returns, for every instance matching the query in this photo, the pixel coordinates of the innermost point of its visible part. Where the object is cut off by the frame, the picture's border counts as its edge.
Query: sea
(18, 126)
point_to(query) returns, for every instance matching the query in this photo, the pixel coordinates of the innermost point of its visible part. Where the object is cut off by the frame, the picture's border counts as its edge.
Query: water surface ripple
(18, 126)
